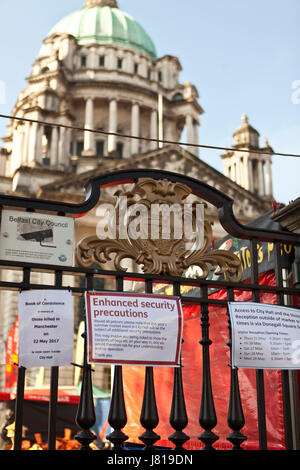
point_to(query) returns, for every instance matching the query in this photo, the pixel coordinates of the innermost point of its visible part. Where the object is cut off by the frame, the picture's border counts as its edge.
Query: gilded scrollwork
(168, 252)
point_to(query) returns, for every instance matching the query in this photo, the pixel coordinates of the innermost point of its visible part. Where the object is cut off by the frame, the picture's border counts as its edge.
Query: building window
(120, 63)
(100, 148)
(120, 148)
(160, 76)
(79, 148)
(149, 74)
(136, 68)
(71, 148)
(102, 61)
(46, 161)
(83, 61)
(177, 97)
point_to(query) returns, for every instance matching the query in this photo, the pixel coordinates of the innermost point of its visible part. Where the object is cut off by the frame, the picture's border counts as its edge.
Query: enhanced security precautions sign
(135, 329)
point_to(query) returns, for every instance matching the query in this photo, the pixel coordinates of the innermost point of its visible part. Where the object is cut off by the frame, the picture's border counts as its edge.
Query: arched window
(177, 97)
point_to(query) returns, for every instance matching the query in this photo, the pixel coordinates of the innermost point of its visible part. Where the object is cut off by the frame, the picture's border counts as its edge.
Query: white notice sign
(136, 329)
(45, 328)
(36, 238)
(265, 336)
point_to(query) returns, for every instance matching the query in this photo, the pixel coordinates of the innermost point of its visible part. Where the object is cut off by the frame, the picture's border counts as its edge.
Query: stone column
(32, 143)
(153, 128)
(39, 144)
(233, 172)
(135, 127)
(246, 172)
(54, 147)
(269, 183)
(238, 171)
(16, 154)
(261, 178)
(62, 146)
(250, 175)
(196, 139)
(113, 123)
(160, 105)
(68, 139)
(189, 129)
(226, 169)
(26, 142)
(89, 137)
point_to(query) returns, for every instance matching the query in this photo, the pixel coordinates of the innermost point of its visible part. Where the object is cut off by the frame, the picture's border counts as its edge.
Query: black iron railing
(149, 417)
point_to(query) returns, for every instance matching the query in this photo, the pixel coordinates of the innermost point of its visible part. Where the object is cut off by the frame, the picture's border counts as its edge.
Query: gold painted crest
(157, 246)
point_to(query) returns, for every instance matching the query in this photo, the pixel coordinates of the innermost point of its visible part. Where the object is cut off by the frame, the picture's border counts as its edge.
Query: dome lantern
(100, 3)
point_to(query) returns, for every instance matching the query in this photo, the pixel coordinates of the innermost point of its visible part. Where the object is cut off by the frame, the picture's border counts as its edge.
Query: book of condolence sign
(134, 329)
(46, 328)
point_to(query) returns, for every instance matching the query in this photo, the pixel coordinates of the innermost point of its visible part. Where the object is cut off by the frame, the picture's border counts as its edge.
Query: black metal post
(286, 396)
(235, 417)
(149, 415)
(260, 387)
(53, 408)
(207, 418)
(178, 415)
(86, 416)
(19, 409)
(53, 389)
(117, 417)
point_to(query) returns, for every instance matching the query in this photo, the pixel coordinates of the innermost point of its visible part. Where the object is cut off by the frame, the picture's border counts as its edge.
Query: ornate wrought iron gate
(168, 271)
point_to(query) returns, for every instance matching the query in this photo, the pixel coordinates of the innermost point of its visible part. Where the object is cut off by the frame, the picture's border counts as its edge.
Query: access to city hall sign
(134, 329)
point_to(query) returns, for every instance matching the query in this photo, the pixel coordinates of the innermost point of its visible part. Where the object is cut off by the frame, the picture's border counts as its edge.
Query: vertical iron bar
(86, 416)
(208, 417)
(260, 388)
(53, 408)
(20, 383)
(19, 408)
(149, 415)
(53, 389)
(286, 399)
(235, 418)
(178, 415)
(26, 279)
(117, 416)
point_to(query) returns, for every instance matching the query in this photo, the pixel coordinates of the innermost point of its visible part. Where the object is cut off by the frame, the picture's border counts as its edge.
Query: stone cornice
(289, 216)
(143, 160)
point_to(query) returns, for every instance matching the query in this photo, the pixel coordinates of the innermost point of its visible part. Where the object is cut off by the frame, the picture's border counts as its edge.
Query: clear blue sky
(243, 56)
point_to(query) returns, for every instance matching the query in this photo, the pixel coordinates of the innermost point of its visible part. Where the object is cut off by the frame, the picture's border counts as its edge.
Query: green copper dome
(105, 25)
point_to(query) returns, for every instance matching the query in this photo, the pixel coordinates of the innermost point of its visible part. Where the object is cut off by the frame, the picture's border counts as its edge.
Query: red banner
(220, 374)
(12, 346)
